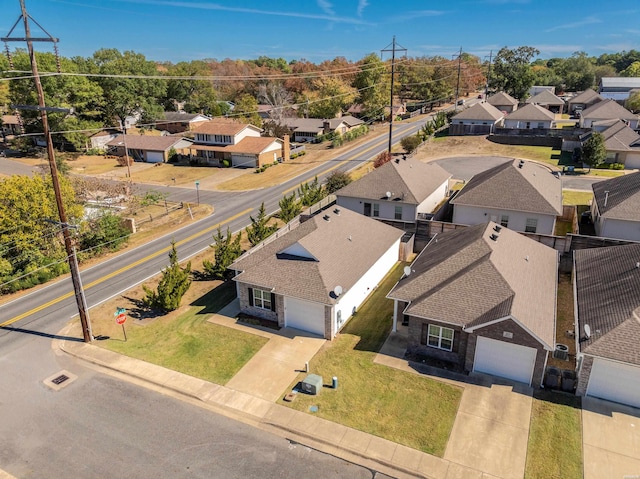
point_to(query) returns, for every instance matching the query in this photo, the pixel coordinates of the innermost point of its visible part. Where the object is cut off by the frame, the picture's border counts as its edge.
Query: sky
(316, 30)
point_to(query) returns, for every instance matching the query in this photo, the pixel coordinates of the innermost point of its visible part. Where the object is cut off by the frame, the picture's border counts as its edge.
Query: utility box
(312, 384)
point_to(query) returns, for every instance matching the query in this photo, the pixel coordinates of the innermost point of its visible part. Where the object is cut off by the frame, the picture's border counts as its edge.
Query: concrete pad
(433, 467)
(406, 457)
(381, 449)
(355, 440)
(599, 463)
(498, 403)
(488, 445)
(456, 471)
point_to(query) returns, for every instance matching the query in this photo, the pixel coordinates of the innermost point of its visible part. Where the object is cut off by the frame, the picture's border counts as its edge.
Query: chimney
(606, 197)
(286, 149)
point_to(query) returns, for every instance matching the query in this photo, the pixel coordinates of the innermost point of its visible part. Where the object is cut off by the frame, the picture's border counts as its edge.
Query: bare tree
(278, 98)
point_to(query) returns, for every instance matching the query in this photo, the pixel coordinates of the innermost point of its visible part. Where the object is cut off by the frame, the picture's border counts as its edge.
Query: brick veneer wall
(414, 345)
(583, 375)
(245, 306)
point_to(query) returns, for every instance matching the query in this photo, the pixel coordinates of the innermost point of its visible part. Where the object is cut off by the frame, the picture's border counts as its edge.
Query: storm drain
(60, 380)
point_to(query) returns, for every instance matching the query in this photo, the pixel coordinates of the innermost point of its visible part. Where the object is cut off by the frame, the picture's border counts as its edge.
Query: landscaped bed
(399, 406)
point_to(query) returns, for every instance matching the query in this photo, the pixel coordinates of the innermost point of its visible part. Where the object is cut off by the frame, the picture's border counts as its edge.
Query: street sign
(121, 318)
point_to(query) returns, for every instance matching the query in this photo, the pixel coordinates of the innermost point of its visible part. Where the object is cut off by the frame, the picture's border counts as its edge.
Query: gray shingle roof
(480, 112)
(619, 137)
(501, 99)
(148, 142)
(587, 96)
(465, 278)
(621, 195)
(175, 116)
(545, 97)
(336, 252)
(531, 188)
(531, 112)
(608, 298)
(409, 181)
(608, 109)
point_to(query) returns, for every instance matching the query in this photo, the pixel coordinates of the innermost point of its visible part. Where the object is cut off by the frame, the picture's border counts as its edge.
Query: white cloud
(326, 7)
(417, 14)
(362, 4)
(580, 23)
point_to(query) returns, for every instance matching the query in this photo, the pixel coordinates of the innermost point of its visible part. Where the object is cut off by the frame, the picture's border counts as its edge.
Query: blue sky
(183, 30)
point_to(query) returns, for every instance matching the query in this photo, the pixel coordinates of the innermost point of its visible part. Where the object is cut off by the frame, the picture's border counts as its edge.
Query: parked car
(461, 102)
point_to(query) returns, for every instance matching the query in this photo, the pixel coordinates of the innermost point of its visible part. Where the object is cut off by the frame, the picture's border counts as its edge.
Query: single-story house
(316, 275)
(503, 102)
(10, 125)
(519, 195)
(397, 191)
(308, 129)
(548, 100)
(583, 100)
(607, 318)
(530, 116)
(615, 208)
(484, 299)
(177, 122)
(147, 148)
(608, 110)
(99, 139)
(480, 119)
(537, 89)
(622, 143)
(217, 143)
(618, 88)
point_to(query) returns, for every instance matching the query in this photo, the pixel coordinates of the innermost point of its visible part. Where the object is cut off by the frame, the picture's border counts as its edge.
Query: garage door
(243, 161)
(615, 382)
(304, 315)
(632, 161)
(506, 360)
(155, 157)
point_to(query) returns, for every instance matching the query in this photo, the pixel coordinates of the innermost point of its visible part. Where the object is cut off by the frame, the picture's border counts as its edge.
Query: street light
(198, 191)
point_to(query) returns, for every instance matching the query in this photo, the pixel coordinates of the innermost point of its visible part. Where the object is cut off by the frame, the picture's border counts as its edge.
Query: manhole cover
(60, 380)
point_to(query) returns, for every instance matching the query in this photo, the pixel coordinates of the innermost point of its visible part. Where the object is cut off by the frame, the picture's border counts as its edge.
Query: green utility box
(312, 384)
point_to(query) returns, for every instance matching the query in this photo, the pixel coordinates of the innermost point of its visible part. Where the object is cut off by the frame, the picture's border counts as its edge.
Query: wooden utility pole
(394, 48)
(486, 89)
(458, 82)
(68, 243)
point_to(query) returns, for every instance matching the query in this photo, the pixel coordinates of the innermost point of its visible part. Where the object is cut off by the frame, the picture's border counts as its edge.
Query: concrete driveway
(611, 440)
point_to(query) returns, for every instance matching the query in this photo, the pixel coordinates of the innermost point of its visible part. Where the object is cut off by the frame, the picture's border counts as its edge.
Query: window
(540, 125)
(262, 299)
(531, 226)
(398, 212)
(439, 337)
(367, 209)
(504, 221)
(376, 210)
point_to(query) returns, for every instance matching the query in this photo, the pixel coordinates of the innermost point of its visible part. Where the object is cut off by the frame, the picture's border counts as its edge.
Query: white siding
(245, 133)
(386, 208)
(523, 123)
(434, 199)
(618, 229)
(351, 300)
(275, 146)
(471, 215)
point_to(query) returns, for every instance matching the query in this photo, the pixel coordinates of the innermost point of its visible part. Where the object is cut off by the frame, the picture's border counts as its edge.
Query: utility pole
(394, 48)
(458, 83)
(486, 88)
(123, 127)
(71, 254)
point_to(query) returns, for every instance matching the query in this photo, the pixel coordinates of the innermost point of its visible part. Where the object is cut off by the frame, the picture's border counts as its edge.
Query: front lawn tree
(226, 251)
(594, 151)
(259, 230)
(512, 71)
(410, 143)
(290, 207)
(174, 284)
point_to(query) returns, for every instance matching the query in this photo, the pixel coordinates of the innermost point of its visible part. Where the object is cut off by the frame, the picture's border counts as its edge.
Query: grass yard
(574, 197)
(187, 343)
(377, 399)
(555, 437)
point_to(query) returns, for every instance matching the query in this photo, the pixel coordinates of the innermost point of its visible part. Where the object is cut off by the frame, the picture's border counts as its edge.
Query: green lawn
(555, 437)
(189, 344)
(377, 399)
(573, 197)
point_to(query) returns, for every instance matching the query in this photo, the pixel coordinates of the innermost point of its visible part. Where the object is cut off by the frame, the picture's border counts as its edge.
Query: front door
(367, 209)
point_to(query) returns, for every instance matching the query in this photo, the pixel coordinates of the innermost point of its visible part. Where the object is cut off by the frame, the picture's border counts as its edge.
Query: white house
(503, 102)
(621, 142)
(316, 275)
(530, 116)
(618, 88)
(480, 119)
(615, 208)
(608, 110)
(519, 195)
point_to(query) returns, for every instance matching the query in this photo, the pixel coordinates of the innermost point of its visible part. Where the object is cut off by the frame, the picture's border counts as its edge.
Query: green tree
(512, 71)
(246, 110)
(632, 70)
(336, 180)
(198, 96)
(311, 193)
(258, 230)
(290, 207)
(226, 251)
(107, 233)
(594, 151)
(578, 71)
(330, 97)
(372, 84)
(633, 102)
(410, 143)
(175, 282)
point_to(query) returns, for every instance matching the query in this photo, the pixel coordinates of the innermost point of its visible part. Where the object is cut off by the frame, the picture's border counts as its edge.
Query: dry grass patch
(573, 197)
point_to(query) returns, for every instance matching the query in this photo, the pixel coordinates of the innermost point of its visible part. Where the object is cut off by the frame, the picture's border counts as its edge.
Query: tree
(330, 97)
(633, 102)
(104, 233)
(372, 85)
(336, 180)
(226, 251)
(246, 110)
(594, 151)
(632, 70)
(258, 230)
(198, 96)
(512, 71)
(311, 193)
(175, 282)
(278, 98)
(578, 71)
(290, 207)
(410, 143)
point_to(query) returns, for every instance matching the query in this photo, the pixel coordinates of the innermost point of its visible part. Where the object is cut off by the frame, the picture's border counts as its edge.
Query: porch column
(395, 316)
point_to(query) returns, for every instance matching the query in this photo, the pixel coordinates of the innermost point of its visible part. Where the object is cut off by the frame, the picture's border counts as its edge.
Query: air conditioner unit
(561, 352)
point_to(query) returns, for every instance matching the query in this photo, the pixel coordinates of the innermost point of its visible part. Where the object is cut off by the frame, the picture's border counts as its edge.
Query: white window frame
(504, 220)
(262, 299)
(531, 225)
(437, 334)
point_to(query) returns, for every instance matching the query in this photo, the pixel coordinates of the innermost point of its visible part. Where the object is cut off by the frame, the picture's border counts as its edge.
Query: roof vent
(326, 218)
(497, 228)
(494, 237)
(521, 164)
(337, 211)
(397, 160)
(606, 197)
(388, 194)
(638, 265)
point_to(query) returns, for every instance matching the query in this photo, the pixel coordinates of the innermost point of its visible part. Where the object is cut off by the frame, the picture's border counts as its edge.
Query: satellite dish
(587, 331)
(388, 194)
(337, 290)
(407, 270)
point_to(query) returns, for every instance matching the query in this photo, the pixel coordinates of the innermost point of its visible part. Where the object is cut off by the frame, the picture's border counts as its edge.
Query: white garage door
(304, 315)
(615, 382)
(243, 161)
(155, 157)
(632, 161)
(506, 360)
